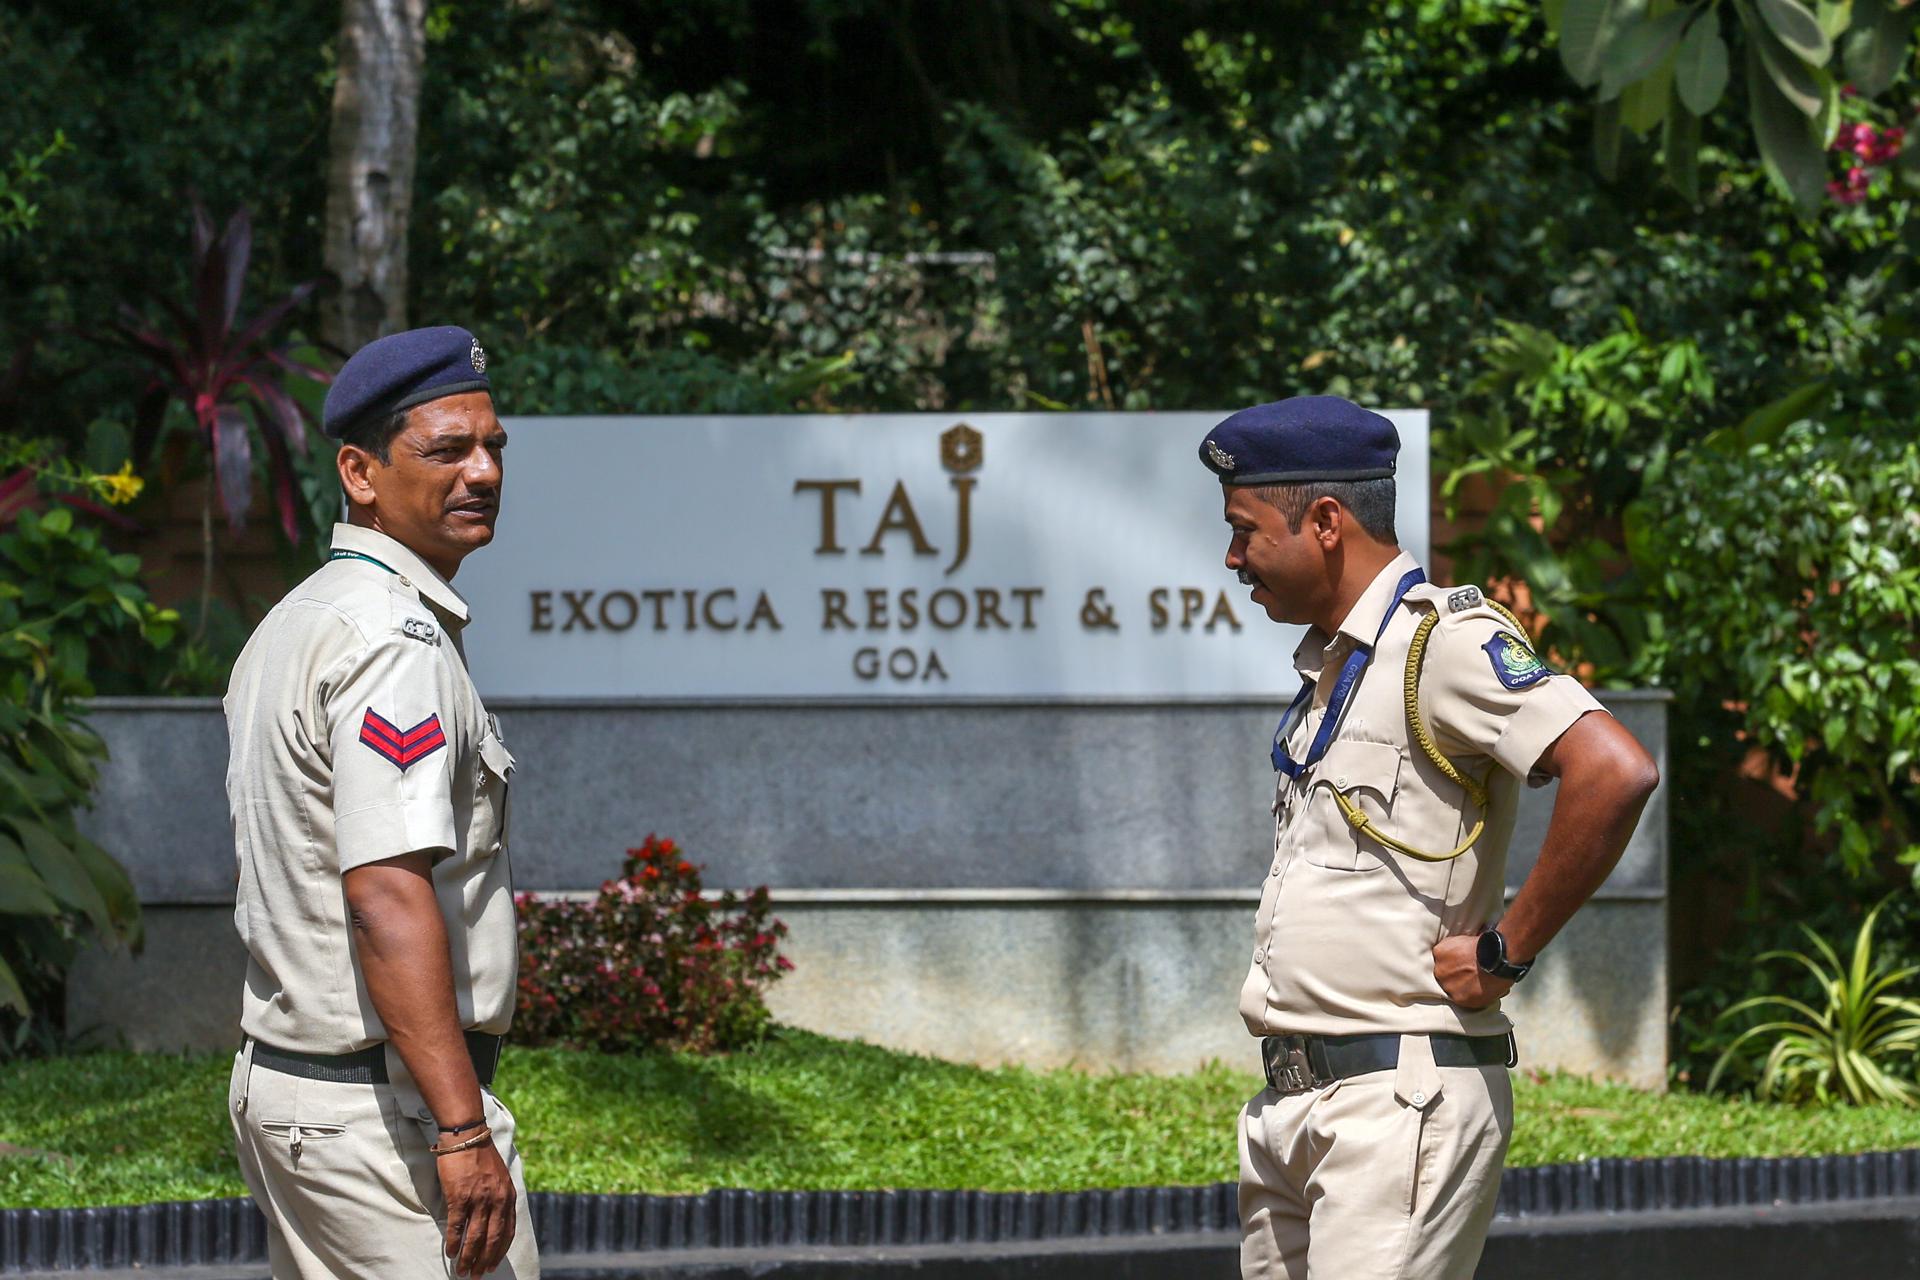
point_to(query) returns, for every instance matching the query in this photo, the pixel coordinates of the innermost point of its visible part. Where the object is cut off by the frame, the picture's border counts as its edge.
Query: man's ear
(356, 467)
(1328, 521)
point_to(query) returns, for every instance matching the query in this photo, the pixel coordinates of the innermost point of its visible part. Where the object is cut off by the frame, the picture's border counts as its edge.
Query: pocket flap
(494, 754)
(1369, 766)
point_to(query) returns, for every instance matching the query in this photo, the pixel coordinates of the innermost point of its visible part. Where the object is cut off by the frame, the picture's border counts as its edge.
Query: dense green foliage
(64, 597)
(1811, 609)
(802, 1111)
(226, 99)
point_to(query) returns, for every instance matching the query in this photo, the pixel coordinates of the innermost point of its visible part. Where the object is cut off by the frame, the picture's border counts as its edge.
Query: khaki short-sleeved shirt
(357, 735)
(1344, 939)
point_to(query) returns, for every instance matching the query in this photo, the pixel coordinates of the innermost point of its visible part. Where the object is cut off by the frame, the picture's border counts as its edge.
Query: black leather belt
(368, 1065)
(1297, 1063)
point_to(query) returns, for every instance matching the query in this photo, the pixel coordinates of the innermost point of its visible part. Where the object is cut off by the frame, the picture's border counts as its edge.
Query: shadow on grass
(796, 1109)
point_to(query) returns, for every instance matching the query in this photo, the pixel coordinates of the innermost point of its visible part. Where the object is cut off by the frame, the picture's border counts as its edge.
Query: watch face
(1490, 951)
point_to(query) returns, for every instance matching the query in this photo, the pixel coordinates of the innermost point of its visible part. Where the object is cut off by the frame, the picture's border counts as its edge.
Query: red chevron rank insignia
(404, 747)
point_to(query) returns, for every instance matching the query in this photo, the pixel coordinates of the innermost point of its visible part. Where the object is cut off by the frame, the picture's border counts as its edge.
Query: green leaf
(1826, 125)
(10, 993)
(108, 445)
(1874, 49)
(1643, 106)
(22, 894)
(1797, 29)
(1834, 16)
(1606, 138)
(1638, 49)
(1793, 160)
(1906, 167)
(115, 886)
(1586, 28)
(63, 873)
(1700, 66)
(1792, 76)
(1764, 425)
(1680, 153)
(36, 790)
(59, 521)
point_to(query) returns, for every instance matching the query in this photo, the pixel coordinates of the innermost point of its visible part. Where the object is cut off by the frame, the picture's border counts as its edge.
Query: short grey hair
(1370, 502)
(377, 434)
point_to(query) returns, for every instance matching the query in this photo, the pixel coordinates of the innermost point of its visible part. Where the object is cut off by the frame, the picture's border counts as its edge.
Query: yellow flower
(119, 488)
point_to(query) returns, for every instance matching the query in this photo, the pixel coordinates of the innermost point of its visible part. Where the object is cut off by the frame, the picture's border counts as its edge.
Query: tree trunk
(376, 120)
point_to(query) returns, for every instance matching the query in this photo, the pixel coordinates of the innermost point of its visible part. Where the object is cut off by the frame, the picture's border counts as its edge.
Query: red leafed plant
(650, 962)
(229, 375)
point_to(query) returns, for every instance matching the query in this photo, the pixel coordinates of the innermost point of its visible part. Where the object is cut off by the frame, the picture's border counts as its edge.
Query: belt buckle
(1288, 1070)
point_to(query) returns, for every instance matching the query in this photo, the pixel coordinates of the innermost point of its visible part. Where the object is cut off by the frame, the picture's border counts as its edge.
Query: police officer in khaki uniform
(368, 788)
(1380, 952)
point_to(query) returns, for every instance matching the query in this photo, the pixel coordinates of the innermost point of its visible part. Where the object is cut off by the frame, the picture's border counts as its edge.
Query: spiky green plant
(1841, 1051)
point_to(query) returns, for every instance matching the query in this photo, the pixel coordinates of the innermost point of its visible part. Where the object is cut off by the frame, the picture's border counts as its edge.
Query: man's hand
(1456, 964)
(480, 1207)
(401, 943)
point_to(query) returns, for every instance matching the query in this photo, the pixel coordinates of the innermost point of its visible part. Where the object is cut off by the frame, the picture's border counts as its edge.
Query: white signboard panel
(888, 555)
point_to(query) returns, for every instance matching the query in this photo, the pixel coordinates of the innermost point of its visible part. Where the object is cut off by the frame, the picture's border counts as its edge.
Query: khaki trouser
(344, 1177)
(1386, 1176)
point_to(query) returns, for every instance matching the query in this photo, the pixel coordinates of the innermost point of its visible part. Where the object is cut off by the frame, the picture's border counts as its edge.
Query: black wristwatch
(1493, 958)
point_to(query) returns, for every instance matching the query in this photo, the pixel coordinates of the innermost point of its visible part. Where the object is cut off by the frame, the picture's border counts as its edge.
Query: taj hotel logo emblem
(961, 448)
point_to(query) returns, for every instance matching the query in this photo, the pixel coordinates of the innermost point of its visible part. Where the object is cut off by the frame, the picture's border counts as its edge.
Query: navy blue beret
(402, 370)
(1304, 438)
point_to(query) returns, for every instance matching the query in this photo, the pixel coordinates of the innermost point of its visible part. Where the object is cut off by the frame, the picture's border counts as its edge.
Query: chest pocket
(493, 803)
(1368, 775)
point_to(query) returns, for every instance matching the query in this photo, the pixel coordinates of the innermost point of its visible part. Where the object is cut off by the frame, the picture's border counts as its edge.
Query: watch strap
(1501, 966)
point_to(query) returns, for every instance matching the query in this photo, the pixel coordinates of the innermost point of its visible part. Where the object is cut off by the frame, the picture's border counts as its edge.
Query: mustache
(1246, 579)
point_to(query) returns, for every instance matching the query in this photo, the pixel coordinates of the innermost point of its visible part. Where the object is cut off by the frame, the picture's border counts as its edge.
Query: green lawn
(804, 1111)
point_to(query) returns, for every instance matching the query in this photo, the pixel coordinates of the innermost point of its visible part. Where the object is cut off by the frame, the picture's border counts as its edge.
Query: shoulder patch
(1464, 599)
(1514, 661)
(422, 630)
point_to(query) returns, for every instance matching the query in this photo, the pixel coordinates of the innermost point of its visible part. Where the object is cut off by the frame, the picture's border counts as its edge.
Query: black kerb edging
(216, 1232)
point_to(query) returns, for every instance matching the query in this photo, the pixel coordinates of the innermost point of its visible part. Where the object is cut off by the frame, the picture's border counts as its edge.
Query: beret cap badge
(477, 357)
(1221, 458)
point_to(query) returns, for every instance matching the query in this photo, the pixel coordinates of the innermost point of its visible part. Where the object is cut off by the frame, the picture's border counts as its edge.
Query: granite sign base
(1042, 883)
(1104, 985)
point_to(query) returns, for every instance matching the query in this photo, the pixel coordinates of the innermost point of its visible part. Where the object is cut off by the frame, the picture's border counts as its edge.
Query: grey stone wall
(1046, 883)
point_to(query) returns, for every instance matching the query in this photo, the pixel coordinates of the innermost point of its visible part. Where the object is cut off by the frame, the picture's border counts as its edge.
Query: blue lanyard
(1343, 689)
(357, 555)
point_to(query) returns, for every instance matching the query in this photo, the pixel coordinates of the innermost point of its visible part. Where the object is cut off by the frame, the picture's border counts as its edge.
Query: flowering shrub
(1873, 148)
(650, 962)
